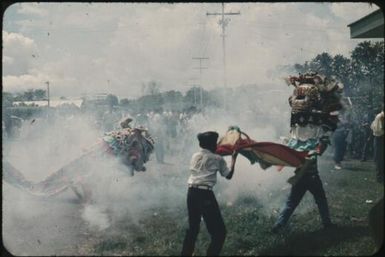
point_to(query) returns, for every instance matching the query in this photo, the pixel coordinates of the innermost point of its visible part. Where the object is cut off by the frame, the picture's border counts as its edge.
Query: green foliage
(124, 102)
(151, 88)
(30, 95)
(362, 74)
(173, 100)
(7, 100)
(322, 63)
(40, 94)
(112, 100)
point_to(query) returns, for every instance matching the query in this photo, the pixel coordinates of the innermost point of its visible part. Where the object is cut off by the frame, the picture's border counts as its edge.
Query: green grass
(249, 226)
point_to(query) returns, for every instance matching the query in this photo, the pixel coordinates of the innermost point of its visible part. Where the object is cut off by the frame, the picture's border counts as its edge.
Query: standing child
(201, 201)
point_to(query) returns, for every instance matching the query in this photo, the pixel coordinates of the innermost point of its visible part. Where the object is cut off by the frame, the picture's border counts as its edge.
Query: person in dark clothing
(201, 201)
(308, 181)
(368, 139)
(339, 140)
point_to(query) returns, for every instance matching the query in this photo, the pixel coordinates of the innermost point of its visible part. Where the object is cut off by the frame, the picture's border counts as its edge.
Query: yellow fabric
(230, 138)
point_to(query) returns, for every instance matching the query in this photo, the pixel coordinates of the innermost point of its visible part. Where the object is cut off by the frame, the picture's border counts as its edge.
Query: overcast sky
(116, 47)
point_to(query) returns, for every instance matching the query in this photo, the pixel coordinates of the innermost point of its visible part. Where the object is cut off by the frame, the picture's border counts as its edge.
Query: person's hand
(230, 175)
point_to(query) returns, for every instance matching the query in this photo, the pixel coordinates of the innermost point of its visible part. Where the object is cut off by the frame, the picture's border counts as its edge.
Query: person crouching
(201, 201)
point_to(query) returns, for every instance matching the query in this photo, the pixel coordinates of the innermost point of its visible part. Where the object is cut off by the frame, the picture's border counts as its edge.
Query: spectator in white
(376, 213)
(377, 127)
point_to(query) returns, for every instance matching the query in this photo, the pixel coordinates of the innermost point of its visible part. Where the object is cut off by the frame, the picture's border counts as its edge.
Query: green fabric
(309, 145)
(234, 128)
(298, 145)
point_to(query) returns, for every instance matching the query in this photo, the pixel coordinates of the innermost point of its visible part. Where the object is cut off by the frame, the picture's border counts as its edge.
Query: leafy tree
(151, 88)
(368, 58)
(40, 94)
(362, 74)
(368, 73)
(341, 68)
(7, 100)
(302, 68)
(322, 63)
(29, 95)
(192, 96)
(112, 100)
(124, 101)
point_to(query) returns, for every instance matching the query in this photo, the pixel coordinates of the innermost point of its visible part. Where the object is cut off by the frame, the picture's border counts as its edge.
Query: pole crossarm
(226, 13)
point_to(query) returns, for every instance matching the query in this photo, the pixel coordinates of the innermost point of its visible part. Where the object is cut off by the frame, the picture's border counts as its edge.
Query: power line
(200, 76)
(193, 88)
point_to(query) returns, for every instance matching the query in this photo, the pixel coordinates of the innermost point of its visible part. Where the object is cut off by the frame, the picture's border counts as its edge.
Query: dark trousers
(313, 183)
(202, 203)
(376, 222)
(368, 144)
(339, 151)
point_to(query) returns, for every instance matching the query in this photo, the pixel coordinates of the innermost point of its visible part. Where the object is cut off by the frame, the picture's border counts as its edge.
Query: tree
(368, 58)
(124, 101)
(7, 100)
(29, 95)
(40, 94)
(112, 100)
(322, 63)
(362, 74)
(192, 96)
(302, 68)
(342, 68)
(367, 72)
(151, 88)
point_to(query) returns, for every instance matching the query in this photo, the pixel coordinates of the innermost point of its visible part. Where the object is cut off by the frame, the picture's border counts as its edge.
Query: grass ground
(351, 193)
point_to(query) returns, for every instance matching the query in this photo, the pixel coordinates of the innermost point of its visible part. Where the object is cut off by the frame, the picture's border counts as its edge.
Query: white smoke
(48, 144)
(95, 217)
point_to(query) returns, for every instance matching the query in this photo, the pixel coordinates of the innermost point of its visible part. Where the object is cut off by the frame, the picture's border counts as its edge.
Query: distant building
(94, 101)
(53, 103)
(370, 26)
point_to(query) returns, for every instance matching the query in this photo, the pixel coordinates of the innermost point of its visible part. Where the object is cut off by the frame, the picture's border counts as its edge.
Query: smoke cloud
(49, 225)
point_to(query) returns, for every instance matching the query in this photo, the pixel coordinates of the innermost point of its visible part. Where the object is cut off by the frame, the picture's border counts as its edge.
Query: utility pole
(200, 76)
(194, 91)
(224, 22)
(47, 82)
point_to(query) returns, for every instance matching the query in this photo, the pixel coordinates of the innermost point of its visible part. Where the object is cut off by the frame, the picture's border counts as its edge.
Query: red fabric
(282, 152)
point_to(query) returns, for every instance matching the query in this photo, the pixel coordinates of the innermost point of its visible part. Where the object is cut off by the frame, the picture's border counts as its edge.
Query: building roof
(369, 26)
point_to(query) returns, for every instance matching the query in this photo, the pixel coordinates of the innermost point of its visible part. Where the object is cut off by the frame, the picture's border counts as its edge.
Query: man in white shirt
(377, 127)
(201, 201)
(376, 213)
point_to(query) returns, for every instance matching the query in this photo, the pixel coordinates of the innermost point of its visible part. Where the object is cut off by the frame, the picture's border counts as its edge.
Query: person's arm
(233, 159)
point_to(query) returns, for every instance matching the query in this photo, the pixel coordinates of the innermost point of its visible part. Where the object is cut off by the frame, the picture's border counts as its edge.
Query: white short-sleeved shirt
(204, 167)
(377, 125)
